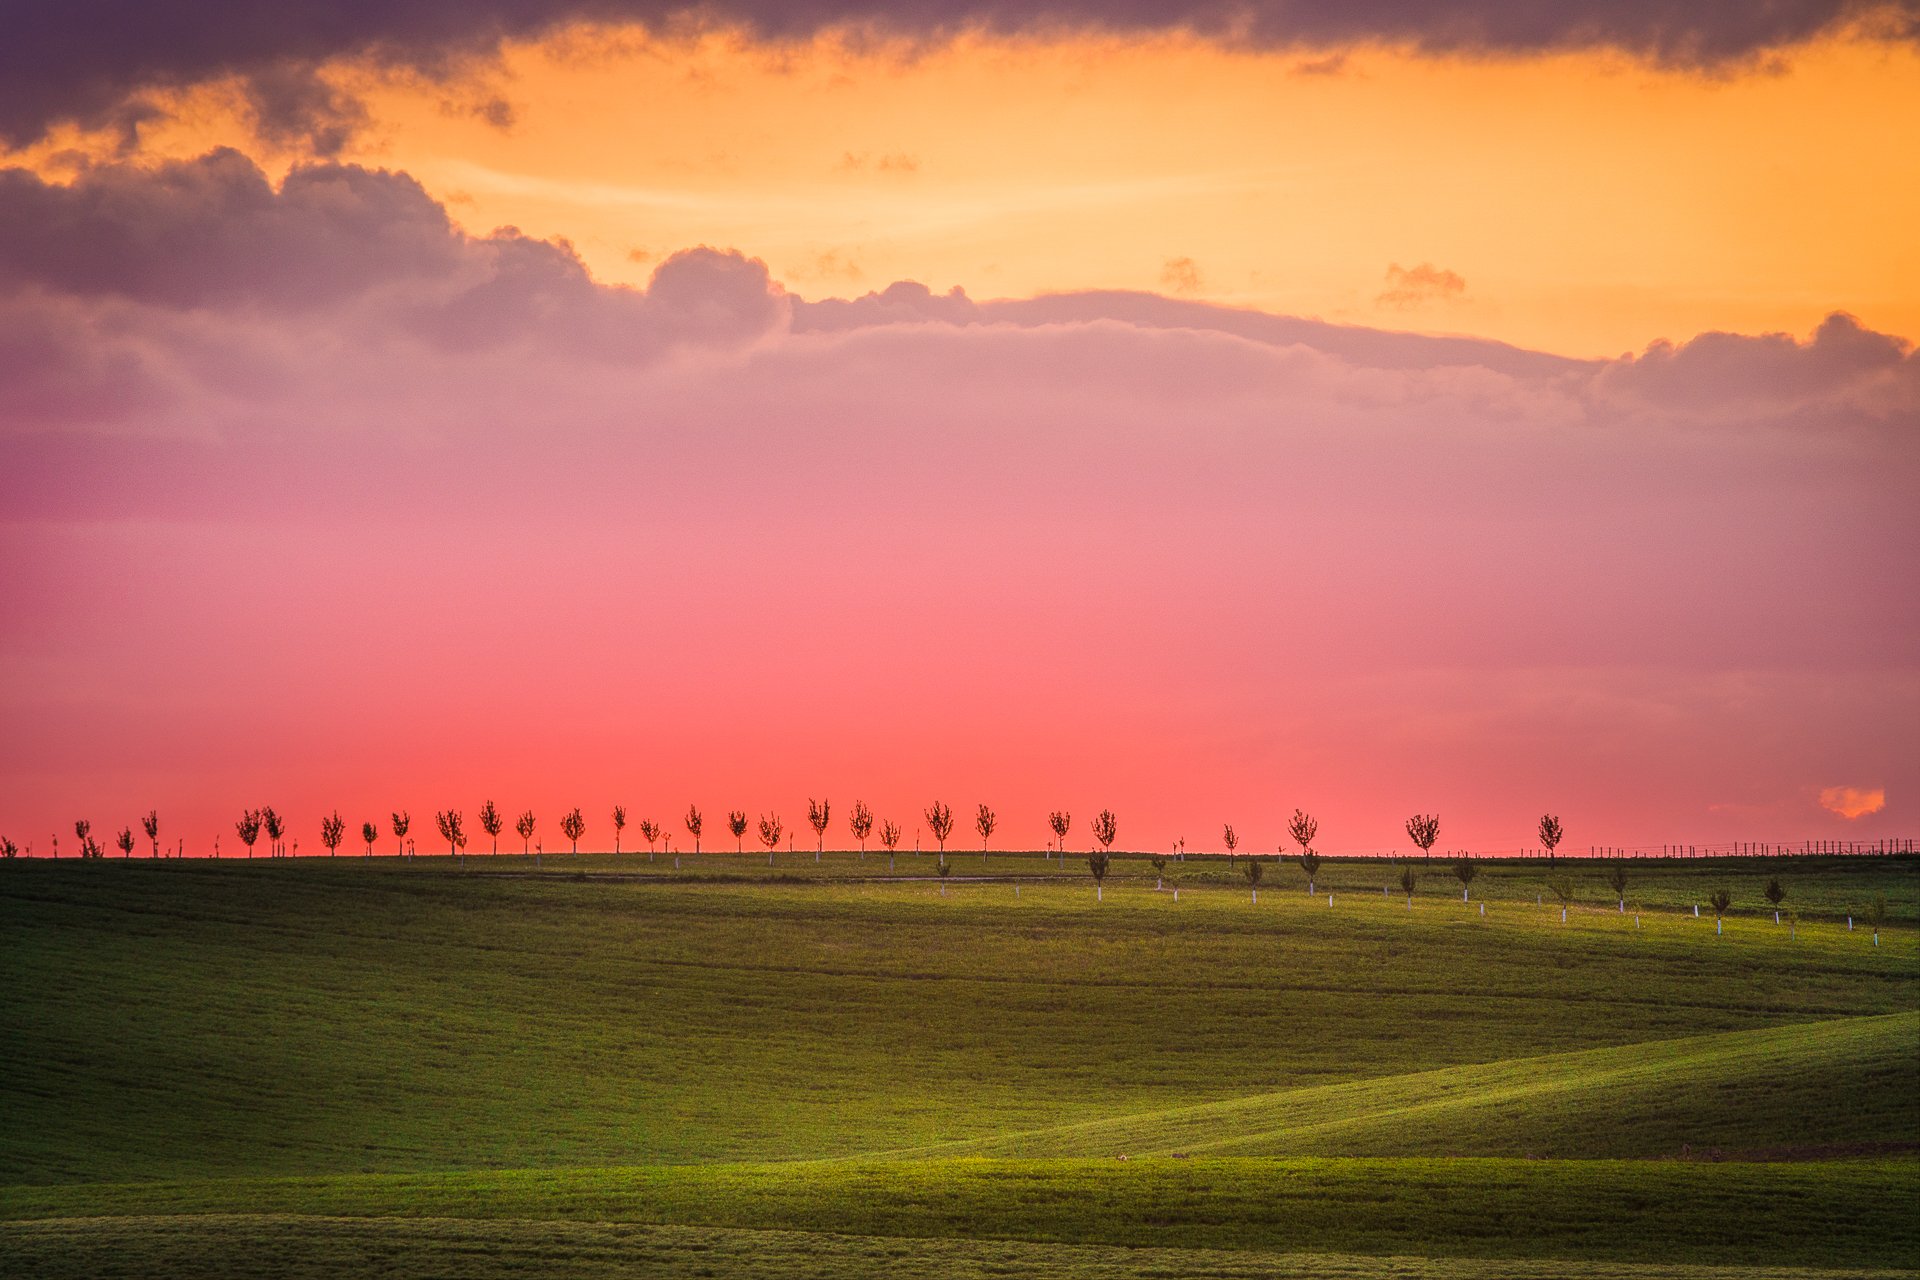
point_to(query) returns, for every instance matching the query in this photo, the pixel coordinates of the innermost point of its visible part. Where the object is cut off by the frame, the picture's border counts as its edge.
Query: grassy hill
(198, 1051)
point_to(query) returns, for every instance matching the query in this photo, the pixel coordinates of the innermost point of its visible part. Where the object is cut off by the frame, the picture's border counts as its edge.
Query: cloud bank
(96, 61)
(307, 490)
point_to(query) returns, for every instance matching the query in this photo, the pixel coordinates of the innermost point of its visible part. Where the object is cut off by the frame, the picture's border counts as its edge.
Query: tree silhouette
(1562, 888)
(1464, 870)
(1105, 828)
(984, 822)
(1617, 881)
(1159, 861)
(151, 824)
(81, 828)
(401, 821)
(770, 834)
(450, 822)
(247, 828)
(125, 841)
(1303, 829)
(890, 836)
(860, 822)
(524, 828)
(940, 822)
(1720, 900)
(1550, 834)
(1231, 839)
(1097, 863)
(651, 831)
(1775, 893)
(89, 847)
(8, 849)
(1310, 863)
(737, 823)
(275, 827)
(694, 822)
(492, 821)
(1061, 821)
(1254, 869)
(369, 833)
(332, 831)
(619, 824)
(1423, 829)
(818, 812)
(573, 826)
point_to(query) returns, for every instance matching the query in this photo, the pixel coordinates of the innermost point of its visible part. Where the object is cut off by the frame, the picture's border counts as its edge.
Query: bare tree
(369, 833)
(151, 824)
(450, 822)
(1097, 863)
(125, 841)
(1617, 881)
(524, 828)
(247, 828)
(1159, 861)
(1465, 870)
(818, 812)
(619, 825)
(401, 821)
(1562, 888)
(651, 832)
(694, 822)
(1106, 828)
(1775, 893)
(89, 847)
(275, 826)
(1254, 869)
(860, 822)
(1550, 834)
(8, 849)
(492, 821)
(1720, 900)
(737, 823)
(1407, 880)
(770, 834)
(1310, 863)
(333, 829)
(940, 822)
(984, 822)
(573, 826)
(1061, 821)
(1231, 839)
(1423, 829)
(1877, 915)
(890, 837)
(1303, 828)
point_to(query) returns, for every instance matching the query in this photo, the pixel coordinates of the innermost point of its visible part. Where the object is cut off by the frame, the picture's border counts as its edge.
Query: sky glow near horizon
(1055, 420)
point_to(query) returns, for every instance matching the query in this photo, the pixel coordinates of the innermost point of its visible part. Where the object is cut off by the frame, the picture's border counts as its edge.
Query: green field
(610, 1065)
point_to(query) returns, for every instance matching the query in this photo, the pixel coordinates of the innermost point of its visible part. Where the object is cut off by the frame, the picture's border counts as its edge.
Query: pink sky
(309, 499)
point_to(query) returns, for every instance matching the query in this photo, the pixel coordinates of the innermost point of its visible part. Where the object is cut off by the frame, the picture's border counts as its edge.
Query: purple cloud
(91, 60)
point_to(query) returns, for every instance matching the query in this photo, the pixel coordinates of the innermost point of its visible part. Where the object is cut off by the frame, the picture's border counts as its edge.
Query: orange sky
(307, 498)
(1589, 204)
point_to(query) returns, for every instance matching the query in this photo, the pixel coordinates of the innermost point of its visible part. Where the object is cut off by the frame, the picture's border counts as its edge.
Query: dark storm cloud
(90, 60)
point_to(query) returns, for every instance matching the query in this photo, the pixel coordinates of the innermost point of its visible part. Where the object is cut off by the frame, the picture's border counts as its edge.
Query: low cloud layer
(307, 467)
(95, 61)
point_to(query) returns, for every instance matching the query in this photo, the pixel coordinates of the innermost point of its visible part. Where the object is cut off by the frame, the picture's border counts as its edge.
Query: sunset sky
(1197, 410)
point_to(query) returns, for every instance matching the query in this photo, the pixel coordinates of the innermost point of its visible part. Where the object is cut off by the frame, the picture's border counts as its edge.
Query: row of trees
(1423, 830)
